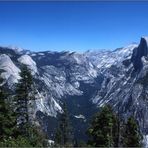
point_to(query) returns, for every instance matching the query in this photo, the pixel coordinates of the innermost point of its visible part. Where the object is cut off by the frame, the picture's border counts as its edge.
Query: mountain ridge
(85, 81)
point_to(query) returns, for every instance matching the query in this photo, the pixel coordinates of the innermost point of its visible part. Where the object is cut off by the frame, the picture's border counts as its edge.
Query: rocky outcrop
(139, 52)
(86, 81)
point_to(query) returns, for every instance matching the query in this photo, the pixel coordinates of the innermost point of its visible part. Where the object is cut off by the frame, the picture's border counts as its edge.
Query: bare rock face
(85, 81)
(139, 52)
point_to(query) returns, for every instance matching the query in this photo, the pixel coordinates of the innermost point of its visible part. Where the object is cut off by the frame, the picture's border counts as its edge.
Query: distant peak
(15, 48)
(145, 37)
(139, 52)
(144, 40)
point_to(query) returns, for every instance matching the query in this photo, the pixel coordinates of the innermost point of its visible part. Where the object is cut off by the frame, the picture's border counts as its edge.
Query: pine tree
(58, 137)
(103, 129)
(36, 136)
(23, 95)
(64, 134)
(131, 136)
(116, 129)
(15, 132)
(7, 116)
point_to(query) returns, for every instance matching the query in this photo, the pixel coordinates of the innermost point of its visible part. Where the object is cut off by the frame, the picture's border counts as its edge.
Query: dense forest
(18, 129)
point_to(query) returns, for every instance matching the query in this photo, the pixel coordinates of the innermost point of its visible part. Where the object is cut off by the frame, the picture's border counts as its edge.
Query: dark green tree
(24, 89)
(25, 93)
(36, 136)
(7, 116)
(12, 131)
(64, 134)
(103, 128)
(132, 136)
(58, 137)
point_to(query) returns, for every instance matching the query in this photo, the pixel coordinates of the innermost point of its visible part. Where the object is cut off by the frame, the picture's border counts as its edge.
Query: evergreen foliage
(64, 134)
(7, 116)
(23, 95)
(103, 129)
(15, 142)
(132, 136)
(15, 128)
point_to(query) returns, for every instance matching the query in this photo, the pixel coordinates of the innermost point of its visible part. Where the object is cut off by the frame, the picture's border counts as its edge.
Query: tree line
(17, 128)
(106, 130)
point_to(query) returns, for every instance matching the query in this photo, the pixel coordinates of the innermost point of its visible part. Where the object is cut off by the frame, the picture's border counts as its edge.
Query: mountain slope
(85, 81)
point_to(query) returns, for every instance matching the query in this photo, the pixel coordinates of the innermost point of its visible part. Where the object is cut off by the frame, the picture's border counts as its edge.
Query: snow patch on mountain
(80, 117)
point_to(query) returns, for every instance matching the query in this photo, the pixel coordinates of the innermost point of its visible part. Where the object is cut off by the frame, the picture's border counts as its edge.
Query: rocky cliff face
(85, 81)
(139, 52)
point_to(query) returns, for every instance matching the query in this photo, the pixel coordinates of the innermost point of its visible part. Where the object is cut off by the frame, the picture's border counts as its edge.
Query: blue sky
(77, 26)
